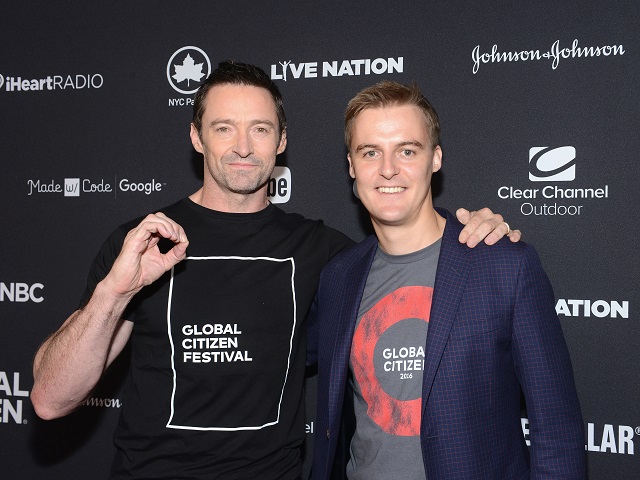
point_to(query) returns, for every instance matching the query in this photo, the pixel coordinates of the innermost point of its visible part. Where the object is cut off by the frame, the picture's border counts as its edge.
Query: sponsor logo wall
(540, 124)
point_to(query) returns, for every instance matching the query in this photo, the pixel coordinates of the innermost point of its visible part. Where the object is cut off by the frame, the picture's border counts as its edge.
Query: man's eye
(407, 153)
(370, 153)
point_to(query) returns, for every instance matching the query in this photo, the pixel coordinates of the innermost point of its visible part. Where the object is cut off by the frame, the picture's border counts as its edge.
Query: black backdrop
(94, 131)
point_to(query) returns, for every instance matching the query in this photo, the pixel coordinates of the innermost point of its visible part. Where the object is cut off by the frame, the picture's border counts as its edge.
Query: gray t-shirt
(387, 362)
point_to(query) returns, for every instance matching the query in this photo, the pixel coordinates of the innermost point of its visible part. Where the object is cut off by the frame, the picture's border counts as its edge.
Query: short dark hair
(388, 94)
(236, 73)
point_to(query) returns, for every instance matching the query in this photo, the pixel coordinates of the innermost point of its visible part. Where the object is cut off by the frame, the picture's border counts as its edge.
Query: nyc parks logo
(187, 68)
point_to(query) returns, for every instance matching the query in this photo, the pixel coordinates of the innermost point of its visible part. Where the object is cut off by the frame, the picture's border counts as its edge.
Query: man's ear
(195, 139)
(352, 172)
(437, 158)
(283, 142)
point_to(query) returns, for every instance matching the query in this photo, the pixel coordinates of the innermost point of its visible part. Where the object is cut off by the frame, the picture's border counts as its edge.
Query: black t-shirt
(218, 347)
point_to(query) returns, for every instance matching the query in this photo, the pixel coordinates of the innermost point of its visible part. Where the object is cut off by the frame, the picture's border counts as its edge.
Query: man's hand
(140, 262)
(484, 224)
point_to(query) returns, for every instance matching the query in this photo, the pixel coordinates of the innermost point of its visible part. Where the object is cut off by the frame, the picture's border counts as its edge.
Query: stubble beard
(241, 182)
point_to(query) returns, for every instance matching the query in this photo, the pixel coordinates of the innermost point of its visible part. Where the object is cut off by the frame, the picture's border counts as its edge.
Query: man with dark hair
(428, 343)
(216, 321)
(233, 73)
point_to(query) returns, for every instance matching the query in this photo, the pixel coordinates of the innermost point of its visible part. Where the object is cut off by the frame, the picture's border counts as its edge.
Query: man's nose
(244, 146)
(388, 166)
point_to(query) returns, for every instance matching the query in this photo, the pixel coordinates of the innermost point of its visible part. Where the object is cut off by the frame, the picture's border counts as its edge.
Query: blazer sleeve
(544, 370)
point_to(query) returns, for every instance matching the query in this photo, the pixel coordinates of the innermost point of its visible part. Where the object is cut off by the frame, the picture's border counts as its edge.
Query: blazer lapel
(451, 277)
(352, 285)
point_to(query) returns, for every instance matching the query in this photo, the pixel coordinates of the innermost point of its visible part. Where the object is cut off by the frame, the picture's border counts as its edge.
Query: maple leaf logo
(189, 70)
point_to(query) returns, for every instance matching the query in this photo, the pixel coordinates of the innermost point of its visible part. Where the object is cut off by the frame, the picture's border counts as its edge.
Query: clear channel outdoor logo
(187, 68)
(553, 166)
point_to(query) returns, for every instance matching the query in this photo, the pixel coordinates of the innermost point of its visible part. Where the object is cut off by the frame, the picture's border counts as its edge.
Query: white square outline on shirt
(293, 328)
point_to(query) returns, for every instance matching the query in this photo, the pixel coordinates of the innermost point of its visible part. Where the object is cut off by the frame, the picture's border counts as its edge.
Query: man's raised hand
(140, 262)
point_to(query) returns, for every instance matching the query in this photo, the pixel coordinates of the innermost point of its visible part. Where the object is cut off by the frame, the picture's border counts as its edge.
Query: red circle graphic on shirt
(396, 417)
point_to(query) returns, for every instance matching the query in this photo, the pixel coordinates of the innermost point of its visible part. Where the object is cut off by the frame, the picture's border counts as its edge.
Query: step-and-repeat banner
(539, 108)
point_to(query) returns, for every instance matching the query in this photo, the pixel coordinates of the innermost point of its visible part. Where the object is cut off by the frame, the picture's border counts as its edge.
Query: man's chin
(247, 189)
(387, 221)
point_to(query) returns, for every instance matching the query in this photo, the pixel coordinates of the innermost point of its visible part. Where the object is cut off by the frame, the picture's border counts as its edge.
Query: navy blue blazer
(493, 332)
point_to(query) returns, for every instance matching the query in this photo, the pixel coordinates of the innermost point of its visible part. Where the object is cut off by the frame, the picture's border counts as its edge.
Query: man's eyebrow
(415, 143)
(233, 122)
(362, 146)
(263, 122)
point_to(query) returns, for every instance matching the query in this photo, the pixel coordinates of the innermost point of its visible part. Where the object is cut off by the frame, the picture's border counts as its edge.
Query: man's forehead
(391, 119)
(231, 93)
(388, 110)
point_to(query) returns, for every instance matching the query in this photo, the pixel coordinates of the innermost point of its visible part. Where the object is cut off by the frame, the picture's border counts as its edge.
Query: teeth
(391, 189)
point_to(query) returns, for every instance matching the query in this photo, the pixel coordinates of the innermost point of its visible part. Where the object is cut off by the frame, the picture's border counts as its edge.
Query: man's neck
(233, 203)
(404, 239)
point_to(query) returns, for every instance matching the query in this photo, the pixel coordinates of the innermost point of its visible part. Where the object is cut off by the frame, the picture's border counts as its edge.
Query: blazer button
(327, 433)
